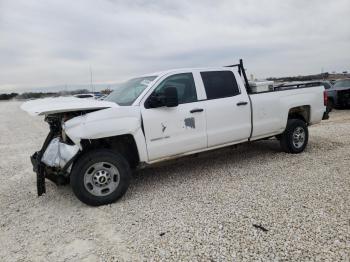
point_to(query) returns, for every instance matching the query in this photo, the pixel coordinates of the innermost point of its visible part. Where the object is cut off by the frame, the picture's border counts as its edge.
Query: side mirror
(154, 101)
(170, 96)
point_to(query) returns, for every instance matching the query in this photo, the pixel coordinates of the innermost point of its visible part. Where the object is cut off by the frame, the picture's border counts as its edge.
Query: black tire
(288, 144)
(81, 171)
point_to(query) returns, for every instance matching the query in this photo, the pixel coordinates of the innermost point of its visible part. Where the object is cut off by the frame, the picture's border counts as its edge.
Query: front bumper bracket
(39, 167)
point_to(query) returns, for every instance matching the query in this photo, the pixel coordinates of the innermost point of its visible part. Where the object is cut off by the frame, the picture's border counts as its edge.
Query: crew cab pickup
(94, 145)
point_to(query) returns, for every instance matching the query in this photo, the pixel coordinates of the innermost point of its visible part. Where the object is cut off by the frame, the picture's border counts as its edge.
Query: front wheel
(295, 138)
(100, 177)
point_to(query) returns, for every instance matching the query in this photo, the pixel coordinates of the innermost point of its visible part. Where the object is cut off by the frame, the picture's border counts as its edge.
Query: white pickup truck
(156, 117)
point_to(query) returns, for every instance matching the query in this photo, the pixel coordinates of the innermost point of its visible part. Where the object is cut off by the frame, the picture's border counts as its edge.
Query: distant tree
(8, 96)
(79, 91)
(35, 95)
(106, 91)
(300, 78)
(29, 95)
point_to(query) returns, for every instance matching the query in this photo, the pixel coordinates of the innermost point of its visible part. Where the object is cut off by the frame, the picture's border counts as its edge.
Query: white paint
(109, 122)
(176, 138)
(52, 105)
(165, 133)
(270, 110)
(227, 122)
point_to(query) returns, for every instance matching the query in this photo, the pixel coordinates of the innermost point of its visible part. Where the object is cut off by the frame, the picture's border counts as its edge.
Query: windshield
(126, 93)
(342, 83)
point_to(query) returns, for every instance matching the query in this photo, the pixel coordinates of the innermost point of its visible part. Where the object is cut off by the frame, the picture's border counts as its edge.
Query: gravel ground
(202, 208)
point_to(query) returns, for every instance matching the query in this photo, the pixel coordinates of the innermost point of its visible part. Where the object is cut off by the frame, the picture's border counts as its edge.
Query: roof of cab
(177, 70)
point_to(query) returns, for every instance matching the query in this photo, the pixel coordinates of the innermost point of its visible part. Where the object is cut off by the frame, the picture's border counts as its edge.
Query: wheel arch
(300, 112)
(125, 144)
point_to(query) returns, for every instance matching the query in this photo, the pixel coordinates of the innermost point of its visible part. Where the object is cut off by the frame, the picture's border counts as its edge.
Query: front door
(171, 131)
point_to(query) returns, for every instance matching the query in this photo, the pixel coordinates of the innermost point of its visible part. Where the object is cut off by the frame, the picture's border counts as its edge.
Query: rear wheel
(100, 177)
(295, 138)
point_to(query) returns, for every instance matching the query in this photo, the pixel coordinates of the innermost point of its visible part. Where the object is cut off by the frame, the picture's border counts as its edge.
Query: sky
(49, 42)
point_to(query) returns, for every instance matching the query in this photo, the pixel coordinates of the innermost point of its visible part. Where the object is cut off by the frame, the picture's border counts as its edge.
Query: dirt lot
(202, 209)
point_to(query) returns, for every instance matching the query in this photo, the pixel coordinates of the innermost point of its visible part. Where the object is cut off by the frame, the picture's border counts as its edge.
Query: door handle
(196, 110)
(242, 103)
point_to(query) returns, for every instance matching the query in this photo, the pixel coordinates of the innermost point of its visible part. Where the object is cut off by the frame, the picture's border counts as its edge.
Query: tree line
(35, 95)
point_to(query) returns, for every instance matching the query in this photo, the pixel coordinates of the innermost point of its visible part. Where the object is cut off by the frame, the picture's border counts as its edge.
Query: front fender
(108, 123)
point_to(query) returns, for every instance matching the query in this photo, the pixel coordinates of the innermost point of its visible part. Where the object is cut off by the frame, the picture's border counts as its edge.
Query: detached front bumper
(52, 162)
(41, 173)
(35, 161)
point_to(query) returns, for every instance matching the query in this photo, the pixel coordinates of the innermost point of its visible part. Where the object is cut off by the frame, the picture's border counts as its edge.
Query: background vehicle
(161, 116)
(95, 95)
(102, 97)
(339, 94)
(85, 96)
(327, 84)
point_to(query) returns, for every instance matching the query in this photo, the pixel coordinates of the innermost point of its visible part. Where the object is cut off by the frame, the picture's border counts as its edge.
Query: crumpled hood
(48, 106)
(104, 123)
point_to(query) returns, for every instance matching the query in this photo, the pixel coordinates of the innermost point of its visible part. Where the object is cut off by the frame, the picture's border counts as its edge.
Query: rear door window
(220, 84)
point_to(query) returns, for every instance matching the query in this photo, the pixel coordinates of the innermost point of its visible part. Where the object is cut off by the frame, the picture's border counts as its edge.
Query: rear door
(227, 108)
(171, 131)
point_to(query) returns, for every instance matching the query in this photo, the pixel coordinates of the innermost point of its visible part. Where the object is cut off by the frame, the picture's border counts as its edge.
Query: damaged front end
(55, 159)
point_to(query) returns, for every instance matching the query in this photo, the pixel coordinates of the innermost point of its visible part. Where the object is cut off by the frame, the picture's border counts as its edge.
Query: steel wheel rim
(298, 137)
(101, 179)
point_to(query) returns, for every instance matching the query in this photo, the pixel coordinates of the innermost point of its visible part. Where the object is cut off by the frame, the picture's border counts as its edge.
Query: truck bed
(270, 108)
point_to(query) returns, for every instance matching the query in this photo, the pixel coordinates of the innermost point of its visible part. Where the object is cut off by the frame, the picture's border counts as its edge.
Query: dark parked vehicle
(338, 94)
(327, 84)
